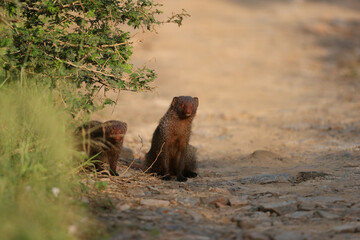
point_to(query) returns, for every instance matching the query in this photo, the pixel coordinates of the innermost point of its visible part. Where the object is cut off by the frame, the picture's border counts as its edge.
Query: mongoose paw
(181, 178)
(166, 177)
(190, 174)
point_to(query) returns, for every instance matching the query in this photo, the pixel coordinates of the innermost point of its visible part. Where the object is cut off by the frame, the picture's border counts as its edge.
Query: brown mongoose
(106, 140)
(170, 152)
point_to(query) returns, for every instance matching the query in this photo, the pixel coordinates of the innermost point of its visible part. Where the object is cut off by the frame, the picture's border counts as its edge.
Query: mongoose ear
(197, 101)
(173, 103)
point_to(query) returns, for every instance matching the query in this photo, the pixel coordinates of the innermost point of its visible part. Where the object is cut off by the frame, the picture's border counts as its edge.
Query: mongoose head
(115, 130)
(185, 106)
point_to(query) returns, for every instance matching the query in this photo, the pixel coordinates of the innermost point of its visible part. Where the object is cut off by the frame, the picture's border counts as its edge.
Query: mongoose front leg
(113, 158)
(180, 167)
(165, 161)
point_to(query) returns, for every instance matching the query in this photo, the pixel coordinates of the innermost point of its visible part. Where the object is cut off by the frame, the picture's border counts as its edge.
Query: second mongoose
(170, 152)
(105, 140)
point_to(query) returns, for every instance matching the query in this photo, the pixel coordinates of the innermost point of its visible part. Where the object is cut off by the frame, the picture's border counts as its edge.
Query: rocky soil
(277, 129)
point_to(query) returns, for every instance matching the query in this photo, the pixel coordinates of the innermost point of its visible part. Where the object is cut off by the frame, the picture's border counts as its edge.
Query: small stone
(239, 201)
(307, 206)
(221, 202)
(173, 227)
(305, 176)
(208, 214)
(267, 178)
(301, 215)
(264, 155)
(321, 199)
(135, 192)
(223, 191)
(122, 207)
(280, 208)
(179, 236)
(188, 201)
(255, 236)
(127, 174)
(290, 236)
(327, 215)
(260, 215)
(347, 228)
(243, 224)
(154, 189)
(154, 203)
(196, 216)
(150, 218)
(211, 201)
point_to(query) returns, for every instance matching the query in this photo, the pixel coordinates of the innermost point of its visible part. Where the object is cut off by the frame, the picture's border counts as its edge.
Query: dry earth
(277, 129)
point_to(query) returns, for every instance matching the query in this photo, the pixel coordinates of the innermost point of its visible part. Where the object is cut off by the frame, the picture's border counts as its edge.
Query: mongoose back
(170, 152)
(106, 140)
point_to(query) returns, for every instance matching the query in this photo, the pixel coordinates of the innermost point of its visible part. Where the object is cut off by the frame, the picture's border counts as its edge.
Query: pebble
(327, 215)
(255, 236)
(196, 216)
(347, 228)
(264, 155)
(173, 227)
(188, 201)
(223, 191)
(221, 202)
(307, 206)
(214, 201)
(154, 203)
(243, 224)
(292, 235)
(321, 199)
(305, 176)
(280, 208)
(239, 200)
(301, 214)
(122, 207)
(136, 192)
(267, 178)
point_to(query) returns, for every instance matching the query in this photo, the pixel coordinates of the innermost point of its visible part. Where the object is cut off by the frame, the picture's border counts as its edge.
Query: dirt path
(280, 76)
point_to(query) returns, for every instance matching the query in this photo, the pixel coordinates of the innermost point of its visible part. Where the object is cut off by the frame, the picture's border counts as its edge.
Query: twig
(117, 99)
(104, 64)
(114, 45)
(85, 68)
(156, 157)
(2, 84)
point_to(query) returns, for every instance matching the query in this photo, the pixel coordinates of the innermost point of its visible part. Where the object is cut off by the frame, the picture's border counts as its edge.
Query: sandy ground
(281, 76)
(266, 74)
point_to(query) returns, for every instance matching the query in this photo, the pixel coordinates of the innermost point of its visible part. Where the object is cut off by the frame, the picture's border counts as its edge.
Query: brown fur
(105, 139)
(170, 143)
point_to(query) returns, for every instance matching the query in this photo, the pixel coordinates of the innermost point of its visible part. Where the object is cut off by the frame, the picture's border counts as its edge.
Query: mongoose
(170, 152)
(106, 140)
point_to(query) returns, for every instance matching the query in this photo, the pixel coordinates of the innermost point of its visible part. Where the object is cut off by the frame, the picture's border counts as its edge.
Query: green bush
(79, 47)
(38, 185)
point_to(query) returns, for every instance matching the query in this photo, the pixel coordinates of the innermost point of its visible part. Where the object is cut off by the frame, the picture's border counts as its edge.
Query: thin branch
(116, 44)
(104, 64)
(2, 18)
(85, 68)
(155, 158)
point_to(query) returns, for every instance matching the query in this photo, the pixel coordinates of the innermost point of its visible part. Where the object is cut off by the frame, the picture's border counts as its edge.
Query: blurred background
(279, 75)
